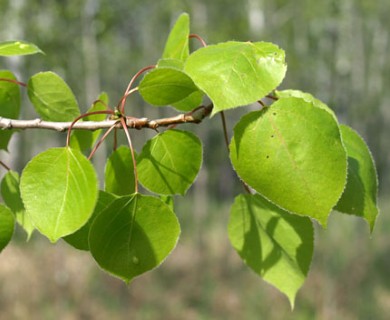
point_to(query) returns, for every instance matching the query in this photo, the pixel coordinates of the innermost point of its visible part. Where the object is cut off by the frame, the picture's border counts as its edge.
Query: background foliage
(336, 50)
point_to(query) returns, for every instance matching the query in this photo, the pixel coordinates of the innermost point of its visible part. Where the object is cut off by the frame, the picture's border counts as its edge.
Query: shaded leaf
(79, 239)
(133, 235)
(278, 246)
(10, 192)
(233, 73)
(18, 48)
(9, 104)
(7, 226)
(119, 172)
(292, 154)
(170, 162)
(59, 188)
(360, 195)
(52, 98)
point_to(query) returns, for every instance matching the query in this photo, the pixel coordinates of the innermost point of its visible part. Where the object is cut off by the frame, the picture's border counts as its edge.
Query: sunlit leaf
(10, 192)
(52, 98)
(360, 195)
(277, 245)
(233, 73)
(84, 139)
(18, 48)
(170, 162)
(79, 239)
(292, 154)
(133, 235)
(119, 172)
(165, 86)
(59, 188)
(176, 46)
(9, 104)
(7, 226)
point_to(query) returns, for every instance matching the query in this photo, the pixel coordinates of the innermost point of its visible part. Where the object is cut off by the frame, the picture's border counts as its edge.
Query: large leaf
(119, 172)
(133, 235)
(7, 226)
(10, 192)
(164, 86)
(277, 245)
(9, 104)
(53, 100)
(85, 139)
(59, 189)
(176, 46)
(18, 48)
(79, 239)
(170, 162)
(360, 195)
(233, 73)
(292, 154)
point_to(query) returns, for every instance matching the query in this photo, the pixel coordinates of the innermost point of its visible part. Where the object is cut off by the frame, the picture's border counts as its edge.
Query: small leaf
(190, 102)
(18, 48)
(84, 139)
(9, 104)
(171, 63)
(79, 239)
(119, 172)
(52, 98)
(10, 192)
(133, 235)
(59, 191)
(176, 46)
(292, 154)
(360, 195)
(233, 73)
(164, 86)
(278, 246)
(170, 162)
(7, 226)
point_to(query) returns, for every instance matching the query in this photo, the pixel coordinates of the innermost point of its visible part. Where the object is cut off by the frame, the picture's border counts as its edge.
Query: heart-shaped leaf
(7, 226)
(18, 48)
(9, 104)
(292, 154)
(233, 73)
(52, 98)
(59, 188)
(165, 86)
(170, 162)
(277, 245)
(360, 194)
(10, 192)
(133, 235)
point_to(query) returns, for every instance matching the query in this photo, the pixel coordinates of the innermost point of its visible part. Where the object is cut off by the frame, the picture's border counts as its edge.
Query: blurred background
(336, 50)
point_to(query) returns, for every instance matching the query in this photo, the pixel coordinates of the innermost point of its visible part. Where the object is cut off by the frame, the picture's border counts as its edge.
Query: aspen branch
(194, 116)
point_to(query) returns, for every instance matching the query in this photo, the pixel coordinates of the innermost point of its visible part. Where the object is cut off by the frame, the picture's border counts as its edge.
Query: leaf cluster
(296, 161)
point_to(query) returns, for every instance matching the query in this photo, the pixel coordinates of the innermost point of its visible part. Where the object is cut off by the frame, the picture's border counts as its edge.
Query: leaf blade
(18, 48)
(7, 224)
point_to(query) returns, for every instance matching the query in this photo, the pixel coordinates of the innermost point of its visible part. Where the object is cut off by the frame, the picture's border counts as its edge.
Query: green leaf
(170, 162)
(9, 104)
(79, 239)
(233, 73)
(190, 102)
(171, 63)
(7, 225)
(18, 48)
(133, 235)
(360, 195)
(59, 189)
(119, 172)
(177, 46)
(164, 86)
(292, 154)
(10, 192)
(52, 98)
(278, 246)
(84, 139)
